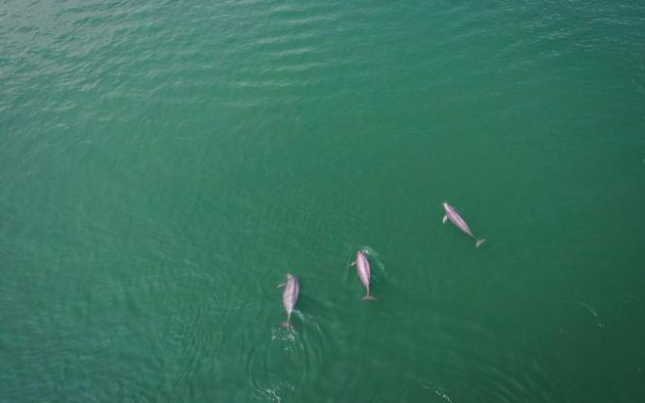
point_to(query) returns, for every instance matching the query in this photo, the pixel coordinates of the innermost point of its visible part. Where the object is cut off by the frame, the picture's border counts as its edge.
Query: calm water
(164, 164)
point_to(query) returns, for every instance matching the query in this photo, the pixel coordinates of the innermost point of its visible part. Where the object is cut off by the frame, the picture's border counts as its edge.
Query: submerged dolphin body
(364, 273)
(289, 297)
(455, 218)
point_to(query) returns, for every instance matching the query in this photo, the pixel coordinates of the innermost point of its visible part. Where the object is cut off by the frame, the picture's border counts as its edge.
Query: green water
(164, 164)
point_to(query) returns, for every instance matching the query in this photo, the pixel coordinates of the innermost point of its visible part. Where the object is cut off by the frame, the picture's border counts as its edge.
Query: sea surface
(165, 163)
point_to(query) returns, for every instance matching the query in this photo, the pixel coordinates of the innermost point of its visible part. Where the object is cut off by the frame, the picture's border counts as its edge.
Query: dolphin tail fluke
(287, 325)
(478, 243)
(368, 297)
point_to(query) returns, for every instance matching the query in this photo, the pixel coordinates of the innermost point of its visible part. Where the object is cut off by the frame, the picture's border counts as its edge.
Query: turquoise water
(164, 164)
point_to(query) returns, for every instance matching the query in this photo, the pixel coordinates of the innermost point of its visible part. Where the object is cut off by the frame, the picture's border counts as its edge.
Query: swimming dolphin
(289, 297)
(455, 218)
(364, 273)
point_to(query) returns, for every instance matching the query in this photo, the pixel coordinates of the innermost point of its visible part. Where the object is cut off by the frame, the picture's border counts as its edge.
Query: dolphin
(364, 273)
(455, 218)
(289, 297)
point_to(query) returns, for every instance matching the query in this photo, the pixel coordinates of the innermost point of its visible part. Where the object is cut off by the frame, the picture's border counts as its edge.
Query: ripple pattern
(164, 163)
